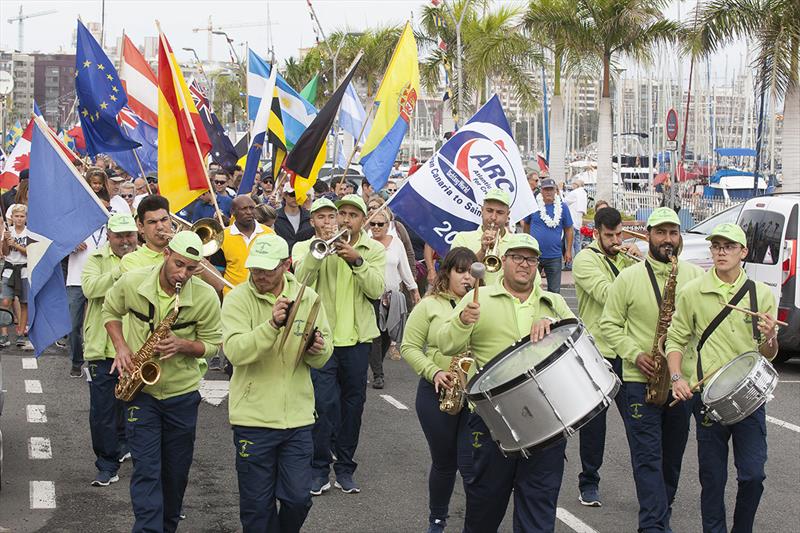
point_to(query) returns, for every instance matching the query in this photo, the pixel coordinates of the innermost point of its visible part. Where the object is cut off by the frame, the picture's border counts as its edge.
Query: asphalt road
(393, 464)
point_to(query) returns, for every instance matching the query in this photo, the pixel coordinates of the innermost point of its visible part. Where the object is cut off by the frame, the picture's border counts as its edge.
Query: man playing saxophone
(447, 436)
(656, 434)
(161, 419)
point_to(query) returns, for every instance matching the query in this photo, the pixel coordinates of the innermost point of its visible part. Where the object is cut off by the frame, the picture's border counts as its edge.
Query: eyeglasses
(377, 224)
(128, 196)
(728, 247)
(519, 259)
(220, 182)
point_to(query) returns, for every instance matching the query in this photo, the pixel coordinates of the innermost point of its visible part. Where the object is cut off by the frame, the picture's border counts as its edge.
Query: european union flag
(100, 97)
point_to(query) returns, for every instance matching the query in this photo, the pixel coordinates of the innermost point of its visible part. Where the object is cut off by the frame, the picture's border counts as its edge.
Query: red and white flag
(20, 157)
(139, 82)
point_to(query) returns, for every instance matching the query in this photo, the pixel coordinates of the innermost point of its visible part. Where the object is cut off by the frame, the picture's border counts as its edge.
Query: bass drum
(740, 387)
(534, 395)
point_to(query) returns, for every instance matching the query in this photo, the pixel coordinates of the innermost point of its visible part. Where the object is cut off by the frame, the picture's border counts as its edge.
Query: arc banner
(445, 195)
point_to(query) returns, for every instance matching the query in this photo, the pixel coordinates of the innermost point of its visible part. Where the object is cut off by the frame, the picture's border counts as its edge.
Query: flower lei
(555, 220)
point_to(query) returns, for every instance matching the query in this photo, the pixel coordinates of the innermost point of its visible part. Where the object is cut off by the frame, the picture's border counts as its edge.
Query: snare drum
(534, 395)
(739, 388)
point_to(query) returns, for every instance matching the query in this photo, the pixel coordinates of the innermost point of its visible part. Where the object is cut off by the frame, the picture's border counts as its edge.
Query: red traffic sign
(672, 124)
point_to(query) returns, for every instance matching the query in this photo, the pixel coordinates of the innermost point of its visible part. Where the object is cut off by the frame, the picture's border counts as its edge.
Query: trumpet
(320, 248)
(492, 259)
(620, 250)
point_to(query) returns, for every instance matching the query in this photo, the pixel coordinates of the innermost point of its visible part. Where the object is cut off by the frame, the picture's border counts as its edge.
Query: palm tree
(555, 25)
(773, 27)
(631, 28)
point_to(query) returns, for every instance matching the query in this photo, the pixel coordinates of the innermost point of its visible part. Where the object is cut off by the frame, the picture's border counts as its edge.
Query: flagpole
(194, 136)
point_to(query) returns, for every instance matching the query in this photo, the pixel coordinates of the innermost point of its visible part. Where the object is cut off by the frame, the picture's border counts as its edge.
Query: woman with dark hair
(446, 434)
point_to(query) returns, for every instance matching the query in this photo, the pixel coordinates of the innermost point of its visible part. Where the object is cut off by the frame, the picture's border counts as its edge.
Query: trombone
(211, 234)
(492, 260)
(320, 248)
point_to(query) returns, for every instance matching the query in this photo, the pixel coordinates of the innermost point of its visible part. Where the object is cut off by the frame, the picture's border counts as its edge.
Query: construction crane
(211, 29)
(21, 20)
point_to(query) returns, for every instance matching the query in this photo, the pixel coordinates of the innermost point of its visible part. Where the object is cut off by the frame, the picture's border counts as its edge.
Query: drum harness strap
(612, 266)
(747, 287)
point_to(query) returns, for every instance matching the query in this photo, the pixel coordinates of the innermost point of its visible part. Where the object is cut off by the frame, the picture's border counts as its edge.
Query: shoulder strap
(654, 282)
(753, 308)
(612, 266)
(748, 286)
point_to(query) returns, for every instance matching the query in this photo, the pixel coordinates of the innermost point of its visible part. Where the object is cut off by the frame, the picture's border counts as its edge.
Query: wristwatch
(676, 377)
(358, 262)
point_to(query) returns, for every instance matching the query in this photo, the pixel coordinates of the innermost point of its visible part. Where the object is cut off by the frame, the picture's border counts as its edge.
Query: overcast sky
(291, 29)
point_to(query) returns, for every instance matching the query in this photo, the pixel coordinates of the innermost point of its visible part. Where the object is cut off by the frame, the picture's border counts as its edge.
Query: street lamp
(199, 64)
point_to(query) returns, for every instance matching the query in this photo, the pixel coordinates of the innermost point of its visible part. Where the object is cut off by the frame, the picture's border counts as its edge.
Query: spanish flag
(182, 140)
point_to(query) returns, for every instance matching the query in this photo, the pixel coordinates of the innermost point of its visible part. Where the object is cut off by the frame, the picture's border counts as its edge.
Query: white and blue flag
(352, 114)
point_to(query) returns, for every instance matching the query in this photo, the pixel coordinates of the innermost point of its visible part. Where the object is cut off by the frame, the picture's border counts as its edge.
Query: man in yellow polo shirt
(238, 239)
(346, 281)
(514, 308)
(699, 314)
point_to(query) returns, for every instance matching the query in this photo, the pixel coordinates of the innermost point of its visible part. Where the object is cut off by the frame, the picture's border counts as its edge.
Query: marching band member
(594, 269)
(495, 214)
(656, 434)
(346, 281)
(446, 434)
(239, 238)
(106, 413)
(272, 400)
(152, 219)
(506, 311)
(161, 419)
(701, 312)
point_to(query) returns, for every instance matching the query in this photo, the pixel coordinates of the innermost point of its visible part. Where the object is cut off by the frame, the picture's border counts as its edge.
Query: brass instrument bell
(492, 260)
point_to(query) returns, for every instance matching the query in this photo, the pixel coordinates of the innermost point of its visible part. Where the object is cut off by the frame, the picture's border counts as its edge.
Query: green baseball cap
(498, 195)
(519, 240)
(187, 244)
(354, 200)
(321, 203)
(267, 252)
(662, 215)
(121, 223)
(732, 232)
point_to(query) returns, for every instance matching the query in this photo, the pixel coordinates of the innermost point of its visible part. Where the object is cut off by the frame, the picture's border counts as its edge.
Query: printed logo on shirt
(476, 439)
(707, 422)
(131, 410)
(635, 411)
(243, 447)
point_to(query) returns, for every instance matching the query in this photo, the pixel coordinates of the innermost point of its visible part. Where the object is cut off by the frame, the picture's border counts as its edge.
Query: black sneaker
(320, 485)
(437, 526)
(21, 340)
(590, 498)
(76, 371)
(377, 383)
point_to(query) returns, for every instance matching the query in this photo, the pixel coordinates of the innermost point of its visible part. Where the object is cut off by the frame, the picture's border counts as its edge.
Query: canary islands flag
(396, 99)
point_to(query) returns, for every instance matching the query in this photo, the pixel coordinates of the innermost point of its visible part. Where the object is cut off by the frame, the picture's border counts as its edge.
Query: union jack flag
(200, 98)
(127, 117)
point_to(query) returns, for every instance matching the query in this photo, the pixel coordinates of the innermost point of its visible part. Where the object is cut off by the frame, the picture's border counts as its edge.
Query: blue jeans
(552, 270)
(273, 465)
(77, 307)
(340, 390)
(593, 439)
(749, 455)
(161, 439)
(105, 416)
(657, 437)
(576, 241)
(449, 444)
(535, 481)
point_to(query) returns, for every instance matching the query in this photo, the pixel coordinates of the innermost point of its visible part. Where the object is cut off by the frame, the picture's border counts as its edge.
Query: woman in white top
(391, 310)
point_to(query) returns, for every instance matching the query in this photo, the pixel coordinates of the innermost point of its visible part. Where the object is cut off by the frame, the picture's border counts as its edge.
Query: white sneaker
(28, 347)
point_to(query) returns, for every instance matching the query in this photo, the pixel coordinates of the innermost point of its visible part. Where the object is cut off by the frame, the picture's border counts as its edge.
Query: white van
(771, 223)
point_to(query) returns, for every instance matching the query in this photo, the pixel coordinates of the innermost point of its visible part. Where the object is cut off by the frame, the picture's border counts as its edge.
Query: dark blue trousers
(273, 465)
(535, 481)
(657, 437)
(749, 455)
(106, 415)
(340, 390)
(161, 439)
(593, 439)
(77, 306)
(449, 444)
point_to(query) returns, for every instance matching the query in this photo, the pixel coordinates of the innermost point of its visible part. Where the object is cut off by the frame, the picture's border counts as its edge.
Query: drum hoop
(544, 363)
(704, 396)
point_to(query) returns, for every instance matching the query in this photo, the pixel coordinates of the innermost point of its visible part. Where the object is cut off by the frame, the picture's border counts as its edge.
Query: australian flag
(100, 97)
(222, 150)
(146, 135)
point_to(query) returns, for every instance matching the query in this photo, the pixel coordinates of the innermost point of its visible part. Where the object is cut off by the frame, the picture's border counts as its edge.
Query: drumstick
(676, 401)
(751, 313)
(477, 270)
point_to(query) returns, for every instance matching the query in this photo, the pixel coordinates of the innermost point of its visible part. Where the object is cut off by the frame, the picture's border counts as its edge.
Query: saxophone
(658, 386)
(451, 401)
(146, 371)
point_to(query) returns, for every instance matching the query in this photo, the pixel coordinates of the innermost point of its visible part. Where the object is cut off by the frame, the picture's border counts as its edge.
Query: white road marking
(39, 448)
(36, 414)
(781, 423)
(788, 381)
(214, 391)
(29, 363)
(394, 402)
(43, 495)
(33, 386)
(573, 522)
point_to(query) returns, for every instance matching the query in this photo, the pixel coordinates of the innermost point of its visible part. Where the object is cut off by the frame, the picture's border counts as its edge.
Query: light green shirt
(266, 389)
(593, 278)
(698, 304)
(101, 270)
(141, 257)
(346, 292)
(503, 321)
(419, 347)
(630, 318)
(472, 241)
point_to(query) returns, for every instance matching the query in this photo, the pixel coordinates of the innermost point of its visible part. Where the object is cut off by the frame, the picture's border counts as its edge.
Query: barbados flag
(396, 99)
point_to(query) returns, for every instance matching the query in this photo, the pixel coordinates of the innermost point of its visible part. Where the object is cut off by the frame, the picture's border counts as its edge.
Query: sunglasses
(127, 196)
(220, 182)
(377, 224)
